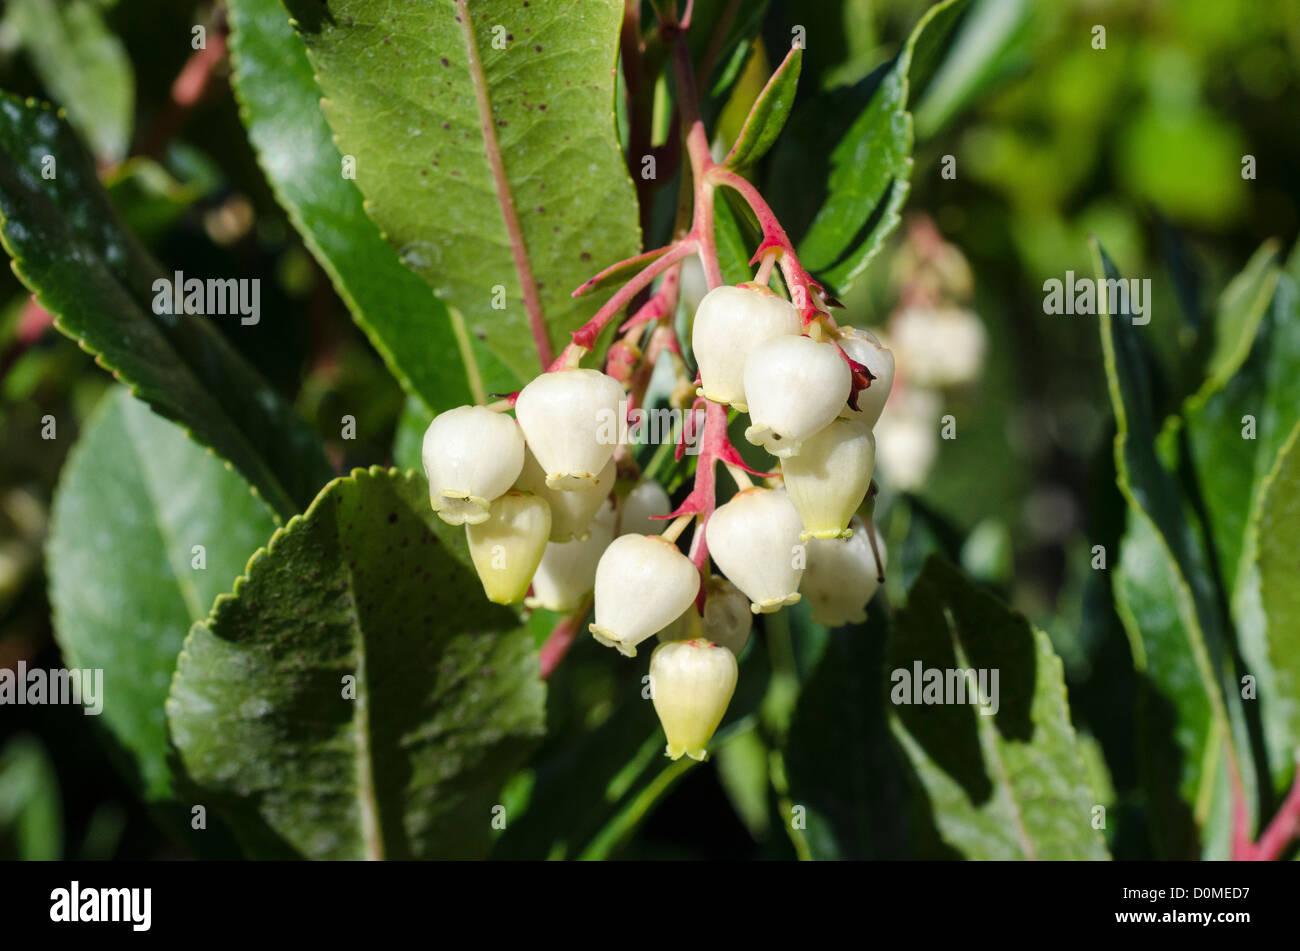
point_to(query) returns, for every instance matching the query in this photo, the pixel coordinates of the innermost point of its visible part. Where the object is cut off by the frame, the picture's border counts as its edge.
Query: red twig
(561, 639)
(1280, 832)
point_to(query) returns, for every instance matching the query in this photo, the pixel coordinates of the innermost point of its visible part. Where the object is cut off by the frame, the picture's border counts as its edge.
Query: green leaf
(1236, 432)
(1279, 566)
(1010, 784)
(487, 152)
(768, 114)
(1167, 600)
(136, 498)
(69, 248)
(842, 765)
(83, 65)
(364, 596)
(1241, 308)
(280, 105)
(989, 44)
(871, 168)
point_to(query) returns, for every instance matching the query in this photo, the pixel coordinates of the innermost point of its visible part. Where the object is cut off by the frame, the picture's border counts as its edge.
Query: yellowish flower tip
(569, 481)
(772, 605)
(826, 534)
(460, 508)
(607, 638)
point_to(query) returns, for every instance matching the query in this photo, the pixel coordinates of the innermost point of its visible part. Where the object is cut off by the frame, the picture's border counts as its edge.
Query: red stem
(800, 282)
(561, 639)
(1282, 830)
(585, 336)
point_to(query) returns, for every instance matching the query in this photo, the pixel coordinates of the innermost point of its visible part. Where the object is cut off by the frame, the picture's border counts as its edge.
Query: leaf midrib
(372, 837)
(505, 196)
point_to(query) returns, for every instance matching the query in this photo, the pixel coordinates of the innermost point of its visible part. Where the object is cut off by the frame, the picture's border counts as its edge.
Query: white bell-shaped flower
(907, 437)
(940, 346)
(644, 501)
(691, 683)
(729, 324)
(507, 548)
(643, 584)
(571, 511)
(864, 347)
(796, 386)
(571, 421)
(567, 573)
(471, 457)
(754, 539)
(830, 476)
(841, 576)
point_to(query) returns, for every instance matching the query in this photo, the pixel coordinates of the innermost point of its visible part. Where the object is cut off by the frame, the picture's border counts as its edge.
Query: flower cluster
(545, 525)
(560, 516)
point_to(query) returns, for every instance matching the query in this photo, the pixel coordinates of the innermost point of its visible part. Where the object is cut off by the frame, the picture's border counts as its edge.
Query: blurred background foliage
(1140, 143)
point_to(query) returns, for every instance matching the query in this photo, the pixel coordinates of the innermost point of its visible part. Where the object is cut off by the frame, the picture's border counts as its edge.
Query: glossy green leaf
(83, 65)
(488, 113)
(768, 114)
(1279, 569)
(356, 697)
(280, 105)
(843, 768)
(1192, 725)
(1236, 431)
(147, 529)
(1241, 308)
(69, 248)
(1006, 780)
(871, 169)
(991, 40)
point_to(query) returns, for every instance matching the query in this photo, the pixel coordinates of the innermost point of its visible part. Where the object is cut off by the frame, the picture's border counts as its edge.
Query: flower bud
(507, 548)
(796, 386)
(841, 576)
(727, 617)
(730, 323)
(572, 511)
(754, 539)
(864, 347)
(830, 476)
(643, 584)
(570, 419)
(647, 499)
(691, 683)
(567, 573)
(471, 457)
